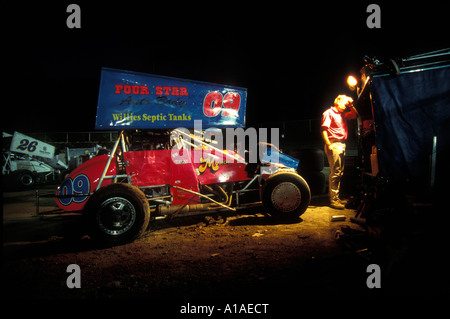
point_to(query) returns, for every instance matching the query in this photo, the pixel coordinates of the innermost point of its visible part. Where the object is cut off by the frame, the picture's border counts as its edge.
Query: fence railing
(64, 138)
(294, 134)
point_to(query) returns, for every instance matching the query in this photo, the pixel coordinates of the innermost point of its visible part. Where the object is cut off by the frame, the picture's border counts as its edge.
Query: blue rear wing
(273, 156)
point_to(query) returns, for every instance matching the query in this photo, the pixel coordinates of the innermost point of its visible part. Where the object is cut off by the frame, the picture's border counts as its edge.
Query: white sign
(27, 145)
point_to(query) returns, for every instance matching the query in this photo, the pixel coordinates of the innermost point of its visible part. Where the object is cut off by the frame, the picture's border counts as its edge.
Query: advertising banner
(131, 100)
(21, 143)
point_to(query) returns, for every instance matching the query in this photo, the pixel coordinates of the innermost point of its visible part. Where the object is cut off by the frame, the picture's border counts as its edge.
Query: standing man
(334, 134)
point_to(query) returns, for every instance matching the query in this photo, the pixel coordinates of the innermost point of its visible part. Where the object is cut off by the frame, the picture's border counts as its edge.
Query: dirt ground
(240, 255)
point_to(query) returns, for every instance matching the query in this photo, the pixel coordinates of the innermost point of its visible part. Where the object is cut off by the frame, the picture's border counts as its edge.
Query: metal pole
(37, 202)
(433, 164)
(208, 145)
(109, 161)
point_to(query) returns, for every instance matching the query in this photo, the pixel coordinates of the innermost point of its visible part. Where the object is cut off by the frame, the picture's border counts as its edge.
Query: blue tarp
(409, 110)
(132, 100)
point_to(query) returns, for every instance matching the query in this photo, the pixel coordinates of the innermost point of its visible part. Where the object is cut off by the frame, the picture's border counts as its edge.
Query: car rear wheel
(23, 179)
(285, 195)
(117, 214)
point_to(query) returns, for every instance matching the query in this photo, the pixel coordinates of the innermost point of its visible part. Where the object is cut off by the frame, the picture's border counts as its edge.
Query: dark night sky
(293, 57)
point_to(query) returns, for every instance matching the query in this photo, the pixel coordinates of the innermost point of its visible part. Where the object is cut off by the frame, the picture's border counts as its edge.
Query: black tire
(117, 214)
(310, 160)
(23, 179)
(285, 195)
(316, 182)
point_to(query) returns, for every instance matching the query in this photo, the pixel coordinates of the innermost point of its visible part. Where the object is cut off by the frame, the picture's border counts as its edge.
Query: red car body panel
(163, 167)
(82, 181)
(178, 168)
(214, 167)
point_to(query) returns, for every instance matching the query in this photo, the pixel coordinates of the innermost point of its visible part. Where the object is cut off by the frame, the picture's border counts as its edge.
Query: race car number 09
(79, 187)
(213, 102)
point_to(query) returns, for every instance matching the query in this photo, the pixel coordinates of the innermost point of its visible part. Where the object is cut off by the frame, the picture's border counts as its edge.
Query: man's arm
(325, 137)
(350, 112)
(326, 121)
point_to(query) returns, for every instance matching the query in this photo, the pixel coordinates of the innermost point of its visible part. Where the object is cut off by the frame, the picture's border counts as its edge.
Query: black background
(293, 57)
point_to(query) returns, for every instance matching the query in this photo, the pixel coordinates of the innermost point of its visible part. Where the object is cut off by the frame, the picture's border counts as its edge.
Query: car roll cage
(182, 141)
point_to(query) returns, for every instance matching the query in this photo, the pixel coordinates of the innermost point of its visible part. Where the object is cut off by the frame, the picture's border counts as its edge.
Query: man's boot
(336, 204)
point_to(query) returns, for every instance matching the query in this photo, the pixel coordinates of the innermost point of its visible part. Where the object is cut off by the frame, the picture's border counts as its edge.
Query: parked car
(155, 170)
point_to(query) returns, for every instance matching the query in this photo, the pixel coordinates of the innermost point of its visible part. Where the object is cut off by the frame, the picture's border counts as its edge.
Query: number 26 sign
(21, 143)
